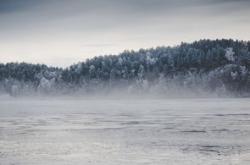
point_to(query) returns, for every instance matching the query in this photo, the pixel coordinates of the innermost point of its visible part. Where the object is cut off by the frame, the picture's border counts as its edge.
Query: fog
(121, 93)
(114, 82)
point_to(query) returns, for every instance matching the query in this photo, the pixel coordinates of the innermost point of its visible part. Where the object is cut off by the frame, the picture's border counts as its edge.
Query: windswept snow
(134, 132)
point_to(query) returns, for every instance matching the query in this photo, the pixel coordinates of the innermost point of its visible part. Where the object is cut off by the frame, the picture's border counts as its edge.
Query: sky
(64, 32)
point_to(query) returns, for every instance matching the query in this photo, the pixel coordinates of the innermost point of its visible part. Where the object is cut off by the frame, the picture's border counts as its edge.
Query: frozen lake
(121, 132)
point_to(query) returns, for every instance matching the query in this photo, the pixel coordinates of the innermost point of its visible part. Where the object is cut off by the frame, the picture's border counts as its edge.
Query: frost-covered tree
(213, 65)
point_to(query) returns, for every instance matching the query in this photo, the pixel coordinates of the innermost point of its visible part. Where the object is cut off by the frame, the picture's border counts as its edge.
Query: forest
(219, 67)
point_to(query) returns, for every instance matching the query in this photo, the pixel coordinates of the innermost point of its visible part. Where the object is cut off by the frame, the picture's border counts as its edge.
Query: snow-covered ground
(121, 132)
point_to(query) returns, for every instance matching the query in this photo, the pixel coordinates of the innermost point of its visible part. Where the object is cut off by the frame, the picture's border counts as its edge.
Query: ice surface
(121, 132)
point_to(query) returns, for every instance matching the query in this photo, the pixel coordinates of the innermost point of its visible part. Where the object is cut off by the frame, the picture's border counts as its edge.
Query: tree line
(216, 66)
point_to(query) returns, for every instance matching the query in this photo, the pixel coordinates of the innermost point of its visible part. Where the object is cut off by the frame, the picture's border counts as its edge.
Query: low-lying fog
(131, 131)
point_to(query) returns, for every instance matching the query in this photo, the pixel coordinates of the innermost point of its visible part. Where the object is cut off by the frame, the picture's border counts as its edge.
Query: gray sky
(63, 32)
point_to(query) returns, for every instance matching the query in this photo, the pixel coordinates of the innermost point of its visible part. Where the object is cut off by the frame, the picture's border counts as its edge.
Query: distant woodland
(220, 67)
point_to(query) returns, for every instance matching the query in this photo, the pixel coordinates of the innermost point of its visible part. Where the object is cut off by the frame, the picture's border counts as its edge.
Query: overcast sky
(63, 32)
